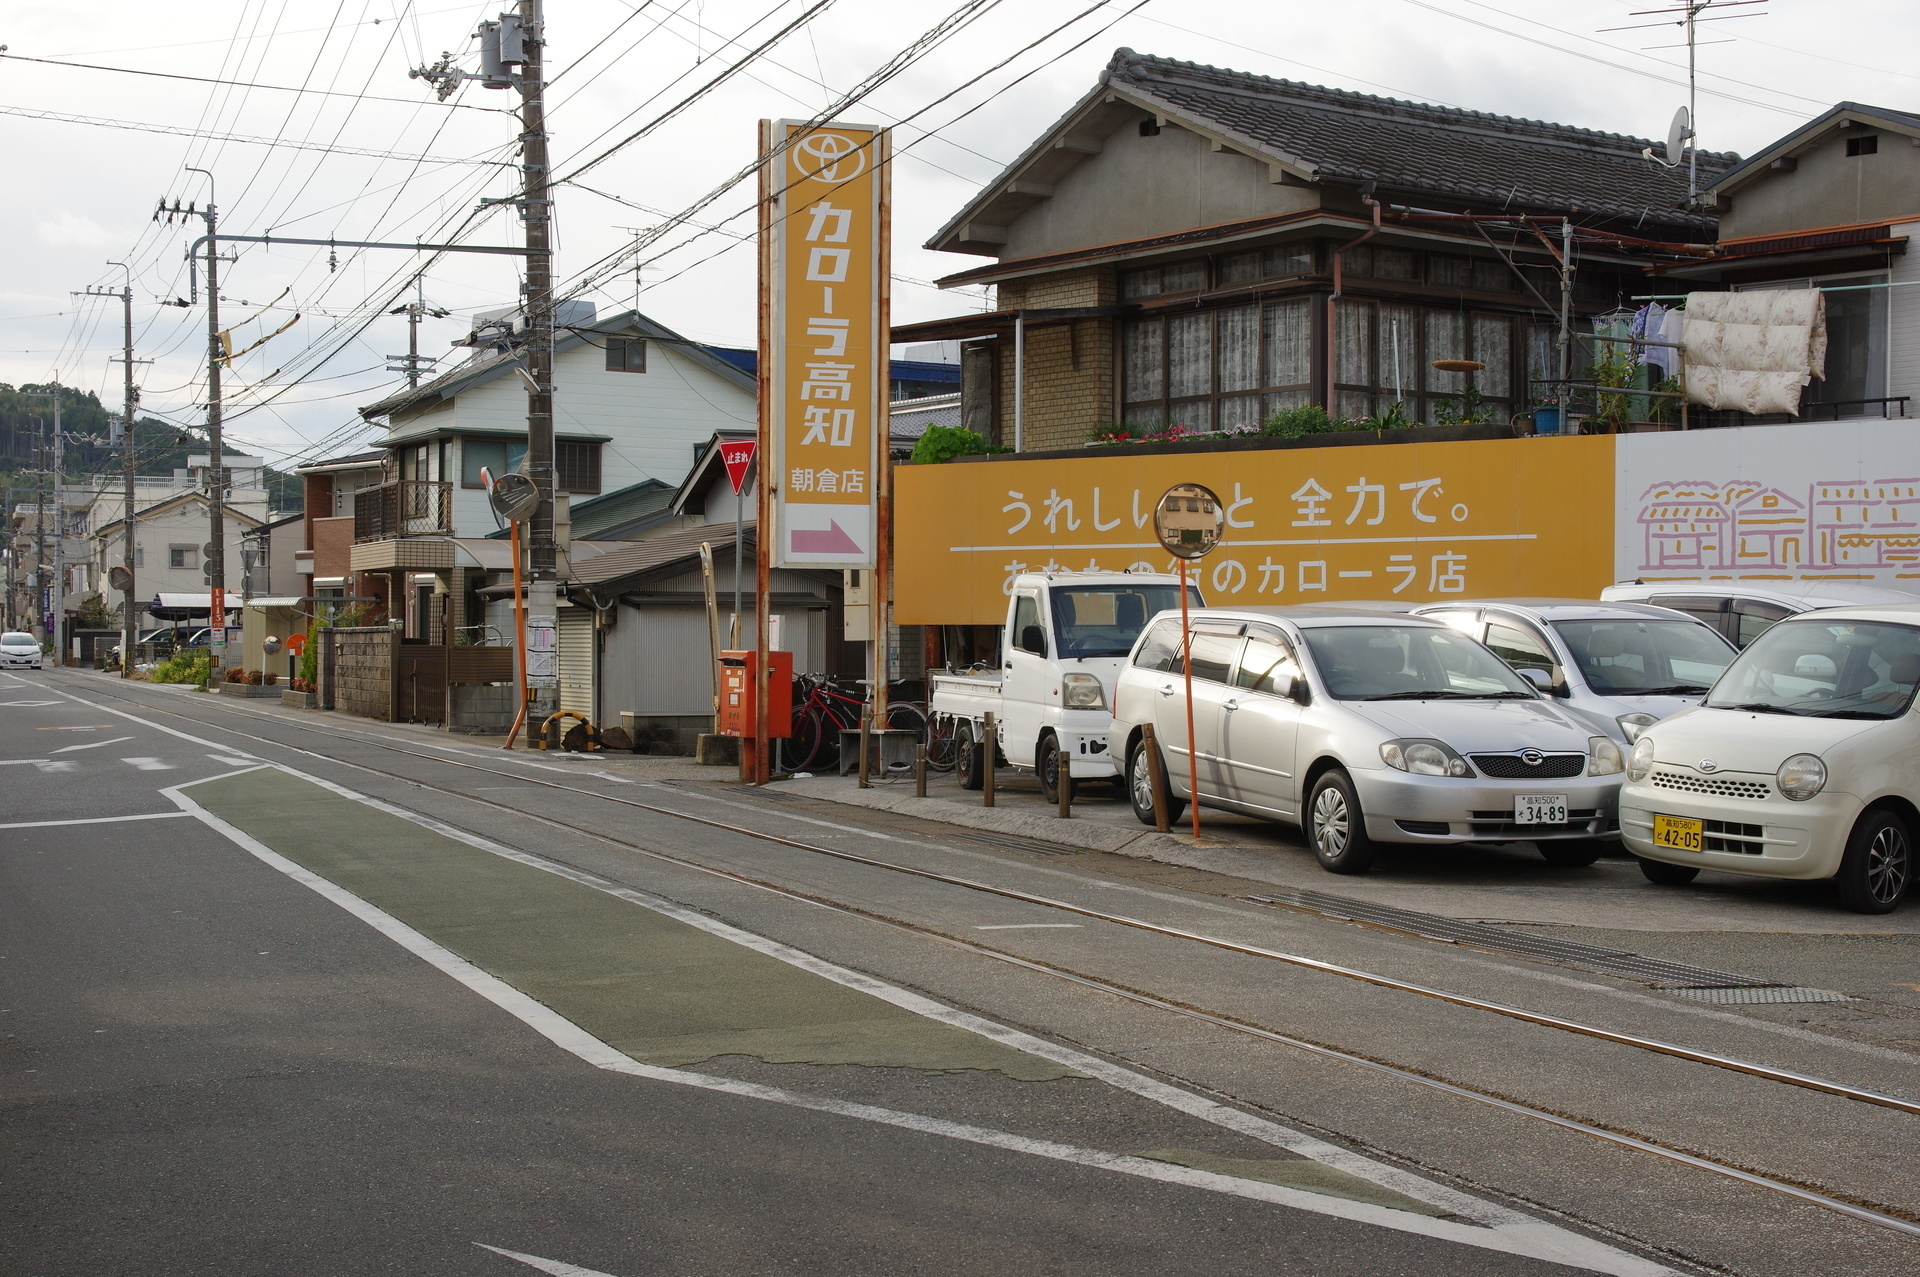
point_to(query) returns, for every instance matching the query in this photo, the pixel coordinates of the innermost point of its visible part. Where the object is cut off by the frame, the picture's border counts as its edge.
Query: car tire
(1140, 793)
(1336, 827)
(1047, 763)
(968, 756)
(1574, 853)
(1877, 865)
(1665, 874)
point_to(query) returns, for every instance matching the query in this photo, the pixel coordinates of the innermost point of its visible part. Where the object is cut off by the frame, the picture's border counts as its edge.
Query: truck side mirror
(1033, 639)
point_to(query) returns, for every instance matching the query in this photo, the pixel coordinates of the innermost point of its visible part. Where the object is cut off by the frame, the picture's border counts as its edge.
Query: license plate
(1677, 832)
(1539, 809)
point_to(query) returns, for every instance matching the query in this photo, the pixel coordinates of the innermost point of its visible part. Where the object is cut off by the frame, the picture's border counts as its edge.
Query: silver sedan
(1363, 728)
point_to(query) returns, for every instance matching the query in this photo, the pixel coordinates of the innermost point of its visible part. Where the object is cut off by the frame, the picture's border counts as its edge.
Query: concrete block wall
(363, 671)
(481, 708)
(1069, 367)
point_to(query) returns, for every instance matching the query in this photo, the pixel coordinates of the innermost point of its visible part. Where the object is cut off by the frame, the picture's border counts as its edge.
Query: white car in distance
(1364, 728)
(1744, 610)
(1803, 762)
(19, 651)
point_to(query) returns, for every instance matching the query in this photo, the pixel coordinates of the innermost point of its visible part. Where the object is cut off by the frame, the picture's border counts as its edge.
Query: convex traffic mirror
(1188, 520)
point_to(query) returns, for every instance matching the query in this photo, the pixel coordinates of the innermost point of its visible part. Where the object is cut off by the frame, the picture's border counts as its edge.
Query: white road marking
(21, 762)
(554, 1266)
(1030, 926)
(97, 820)
(25, 704)
(149, 764)
(1495, 1227)
(92, 744)
(231, 761)
(63, 765)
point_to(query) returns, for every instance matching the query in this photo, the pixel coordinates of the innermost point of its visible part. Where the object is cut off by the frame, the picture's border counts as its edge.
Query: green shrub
(1305, 419)
(310, 654)
(944, 443)
(189, 665)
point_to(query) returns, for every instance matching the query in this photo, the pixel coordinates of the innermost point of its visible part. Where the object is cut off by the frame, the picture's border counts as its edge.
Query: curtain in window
(1281, 400)
(1183, 277)
(1144, 418)
(1353, 352)
(1289, 342)
(1493, 346)
(1543, 362)
(1240, 410)
(1197, 415)
(1189, 355)
(1353, 404)
(1446, 339)
(1400, 351)
(1239, 338)
(1146, 360)
(1241, 268)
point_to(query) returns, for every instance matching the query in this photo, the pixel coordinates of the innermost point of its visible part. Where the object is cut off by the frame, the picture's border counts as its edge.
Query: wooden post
(1063, 780)
(520, 640)
(919, 771)
(987, 748)
(1158, 780)
(1186, 665)
(866, 741)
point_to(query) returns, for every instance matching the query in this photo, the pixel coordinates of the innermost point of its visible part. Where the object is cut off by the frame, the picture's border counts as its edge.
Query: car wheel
(967, 756)
(1140, 789)
(1665, 874)
(1048, 763)
(1877, 865)
(1336, 827)
(1574, 853)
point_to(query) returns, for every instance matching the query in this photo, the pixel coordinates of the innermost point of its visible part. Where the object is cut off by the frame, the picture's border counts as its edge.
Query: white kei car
(1363, 727)
(19, 651)
(1802, 762)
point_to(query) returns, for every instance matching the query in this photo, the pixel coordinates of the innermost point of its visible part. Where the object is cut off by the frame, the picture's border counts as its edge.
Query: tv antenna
(1681, 132)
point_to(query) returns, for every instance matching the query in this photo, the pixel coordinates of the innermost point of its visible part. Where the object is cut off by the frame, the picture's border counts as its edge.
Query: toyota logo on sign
(1532, 757)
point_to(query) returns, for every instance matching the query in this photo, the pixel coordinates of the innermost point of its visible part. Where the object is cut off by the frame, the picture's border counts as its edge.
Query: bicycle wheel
(797, 751)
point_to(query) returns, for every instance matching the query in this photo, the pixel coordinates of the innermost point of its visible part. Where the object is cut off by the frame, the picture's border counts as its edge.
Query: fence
(403, 508)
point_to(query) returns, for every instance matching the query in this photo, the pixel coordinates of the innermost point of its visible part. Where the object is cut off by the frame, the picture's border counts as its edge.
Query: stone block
(717, 751)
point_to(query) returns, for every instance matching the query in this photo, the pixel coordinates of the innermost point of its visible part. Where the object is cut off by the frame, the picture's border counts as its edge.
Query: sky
(366, 152)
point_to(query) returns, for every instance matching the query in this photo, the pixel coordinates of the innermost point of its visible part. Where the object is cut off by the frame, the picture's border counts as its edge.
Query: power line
(175, 130)
(244, 84)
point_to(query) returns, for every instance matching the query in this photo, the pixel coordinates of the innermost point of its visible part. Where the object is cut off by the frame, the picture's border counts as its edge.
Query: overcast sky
(84, 194)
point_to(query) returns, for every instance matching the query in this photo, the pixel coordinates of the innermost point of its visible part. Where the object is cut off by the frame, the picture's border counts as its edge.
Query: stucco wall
(1830, 188)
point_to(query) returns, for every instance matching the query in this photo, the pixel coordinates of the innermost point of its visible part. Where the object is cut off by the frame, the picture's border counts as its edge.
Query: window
(1104, 620)
(1867, 145)
(1163, 643)
(626, 354)
(1384, 355)
(1213, 655)
(499, 456)
(1026, 616)
(1521, 648)
(1217, 369)
(1752, 618)
(1266, 660)
(576, 466)
(1857, 324)
(183, 556)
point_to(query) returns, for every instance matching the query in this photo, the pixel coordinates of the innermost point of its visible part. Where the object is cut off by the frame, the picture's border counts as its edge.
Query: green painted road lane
(654, 988)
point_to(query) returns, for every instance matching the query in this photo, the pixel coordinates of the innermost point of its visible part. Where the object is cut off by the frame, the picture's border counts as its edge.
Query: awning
(998, 323)
(181, 607)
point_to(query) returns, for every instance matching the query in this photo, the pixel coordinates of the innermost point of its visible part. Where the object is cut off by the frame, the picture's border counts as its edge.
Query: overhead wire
(278, 88)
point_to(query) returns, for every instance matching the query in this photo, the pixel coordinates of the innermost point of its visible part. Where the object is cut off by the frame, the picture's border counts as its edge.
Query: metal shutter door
(575, 651)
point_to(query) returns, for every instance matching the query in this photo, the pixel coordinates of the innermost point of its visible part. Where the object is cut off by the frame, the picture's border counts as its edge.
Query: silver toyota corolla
(1363, 728)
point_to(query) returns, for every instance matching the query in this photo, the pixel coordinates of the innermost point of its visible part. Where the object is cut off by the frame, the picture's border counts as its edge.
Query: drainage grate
(1010, 842)
(1757, 996)
(1521, 944)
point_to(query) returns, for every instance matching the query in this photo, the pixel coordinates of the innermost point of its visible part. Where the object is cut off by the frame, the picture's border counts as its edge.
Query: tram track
(1882, 1214)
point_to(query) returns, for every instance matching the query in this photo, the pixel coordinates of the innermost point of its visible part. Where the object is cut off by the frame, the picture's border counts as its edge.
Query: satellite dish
(1678, 134)
(514, 497)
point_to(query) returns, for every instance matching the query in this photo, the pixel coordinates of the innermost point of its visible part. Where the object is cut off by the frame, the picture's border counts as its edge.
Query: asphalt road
(362, 1011)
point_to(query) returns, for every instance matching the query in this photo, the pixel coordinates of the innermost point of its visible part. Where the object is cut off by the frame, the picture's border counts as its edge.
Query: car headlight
(1604, 757)
(1423, 758)
(1801, 777)
(1631, 725)
(1082, 691)
(1640, 761)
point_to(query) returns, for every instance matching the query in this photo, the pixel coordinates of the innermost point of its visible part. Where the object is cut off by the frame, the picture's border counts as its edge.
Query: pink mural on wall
(1741, 526)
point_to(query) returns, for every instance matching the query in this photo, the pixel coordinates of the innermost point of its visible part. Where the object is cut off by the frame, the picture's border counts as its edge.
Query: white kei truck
(1066, 636)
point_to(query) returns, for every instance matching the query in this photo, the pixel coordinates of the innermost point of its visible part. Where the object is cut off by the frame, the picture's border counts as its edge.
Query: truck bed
(964, 695)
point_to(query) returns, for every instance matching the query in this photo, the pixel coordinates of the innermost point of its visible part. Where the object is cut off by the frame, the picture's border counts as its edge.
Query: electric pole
(56, 622)
(413, 361)
(542, 604)
(40, 610)
(129, 629)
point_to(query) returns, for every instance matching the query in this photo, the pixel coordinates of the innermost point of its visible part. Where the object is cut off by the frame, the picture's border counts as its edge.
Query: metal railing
(403, 508)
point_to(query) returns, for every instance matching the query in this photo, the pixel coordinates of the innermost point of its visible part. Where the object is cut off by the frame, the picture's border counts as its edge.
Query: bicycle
(820, 712)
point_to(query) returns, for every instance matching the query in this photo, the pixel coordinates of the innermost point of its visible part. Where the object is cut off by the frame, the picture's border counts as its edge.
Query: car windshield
(1104, 620)
(1824, 669)
(1408, 662)
(1641, 658)
(18, 640)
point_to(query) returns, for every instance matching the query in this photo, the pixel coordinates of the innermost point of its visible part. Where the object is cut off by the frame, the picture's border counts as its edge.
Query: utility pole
(129, 629)
(55, 623)
(413, 361)
(40, 530)
(542, 587)
(216, 475)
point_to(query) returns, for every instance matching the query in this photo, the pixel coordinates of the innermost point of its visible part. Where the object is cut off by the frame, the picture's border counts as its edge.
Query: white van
(1743, 610)
(1802, 762)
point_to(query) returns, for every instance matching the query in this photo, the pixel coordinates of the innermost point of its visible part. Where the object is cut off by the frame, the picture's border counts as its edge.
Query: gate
(420, 684)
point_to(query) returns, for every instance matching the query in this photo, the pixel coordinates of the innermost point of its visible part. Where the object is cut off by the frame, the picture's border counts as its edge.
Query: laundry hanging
(1754, 351)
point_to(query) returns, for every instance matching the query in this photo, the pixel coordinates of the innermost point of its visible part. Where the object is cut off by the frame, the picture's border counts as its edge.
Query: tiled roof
(1496, 161)
(635, 558)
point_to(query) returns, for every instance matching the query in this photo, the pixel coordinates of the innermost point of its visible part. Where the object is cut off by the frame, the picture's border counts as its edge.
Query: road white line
(50, 766)
(25, 704)
(1031, 926)
(150, 764)
(557, 1267)
(231, 761)
(92, 744)
(97, 820)
(1515, 1234)
(21, 762)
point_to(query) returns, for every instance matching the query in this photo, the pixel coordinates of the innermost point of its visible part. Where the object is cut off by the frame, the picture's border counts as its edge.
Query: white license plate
(1539, 809)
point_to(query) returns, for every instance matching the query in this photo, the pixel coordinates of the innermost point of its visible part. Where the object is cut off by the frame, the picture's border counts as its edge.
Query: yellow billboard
(826, 321)
(1412, 522)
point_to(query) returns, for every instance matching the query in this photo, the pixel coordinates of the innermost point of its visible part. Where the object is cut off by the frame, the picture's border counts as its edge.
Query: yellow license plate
(1677, 832)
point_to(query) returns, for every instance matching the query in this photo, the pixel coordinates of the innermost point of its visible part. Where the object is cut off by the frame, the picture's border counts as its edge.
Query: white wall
(1903, 328)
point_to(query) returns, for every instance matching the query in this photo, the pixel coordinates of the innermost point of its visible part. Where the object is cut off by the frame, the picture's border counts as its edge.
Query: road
(294, 993)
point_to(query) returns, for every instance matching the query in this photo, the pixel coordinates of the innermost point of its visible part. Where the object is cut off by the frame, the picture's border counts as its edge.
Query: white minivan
(1802, 762)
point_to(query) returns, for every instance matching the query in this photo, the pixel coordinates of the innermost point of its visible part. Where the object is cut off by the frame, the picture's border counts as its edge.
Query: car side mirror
(1033, 639)
(1541, 680)
(1298, 691)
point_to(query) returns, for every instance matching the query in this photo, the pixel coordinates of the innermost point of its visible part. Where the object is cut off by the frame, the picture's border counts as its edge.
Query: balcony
(404, 524)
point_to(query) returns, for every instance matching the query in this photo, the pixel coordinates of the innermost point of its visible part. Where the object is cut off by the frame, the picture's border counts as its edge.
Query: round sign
(208, 550)
(119, 578)
(1188, 521)
(514, 497)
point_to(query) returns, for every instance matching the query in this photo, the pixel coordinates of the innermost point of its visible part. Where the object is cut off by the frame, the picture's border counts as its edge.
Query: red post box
(737, 698)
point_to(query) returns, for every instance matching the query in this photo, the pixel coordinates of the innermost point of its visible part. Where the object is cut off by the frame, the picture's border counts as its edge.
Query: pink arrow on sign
(832, 541)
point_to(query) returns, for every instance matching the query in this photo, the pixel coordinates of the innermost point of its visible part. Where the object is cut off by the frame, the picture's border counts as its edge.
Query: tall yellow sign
(1411, 522)
(825, 341)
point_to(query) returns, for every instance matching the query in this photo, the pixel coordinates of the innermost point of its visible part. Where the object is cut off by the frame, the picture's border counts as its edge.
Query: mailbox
(737, 699)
